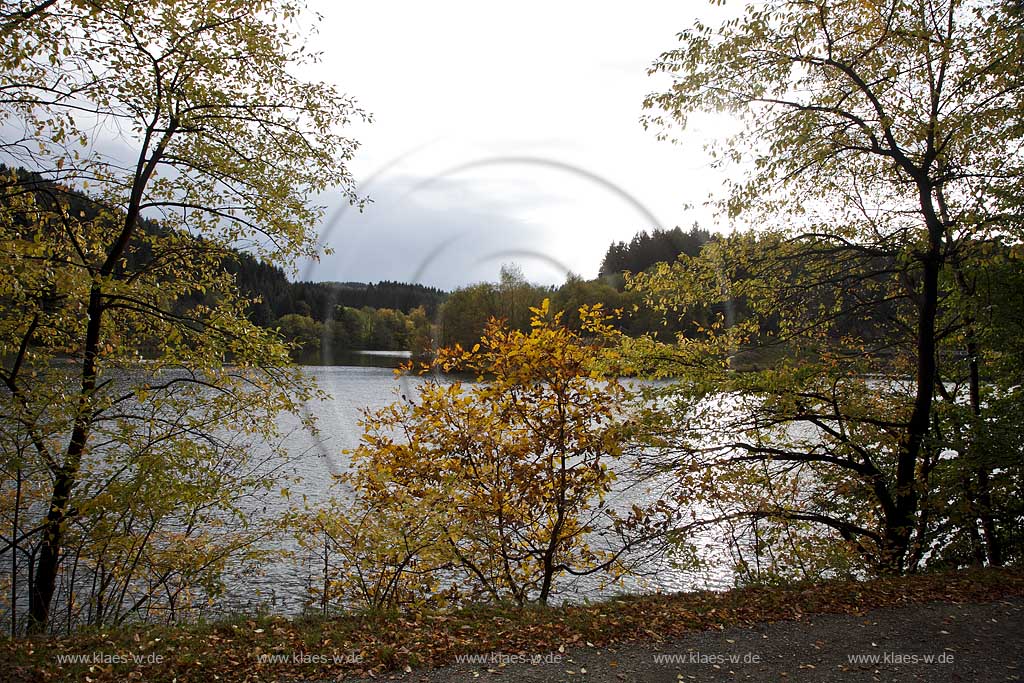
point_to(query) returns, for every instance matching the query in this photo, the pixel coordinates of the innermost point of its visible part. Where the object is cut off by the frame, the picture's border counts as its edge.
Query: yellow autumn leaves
(489, 489)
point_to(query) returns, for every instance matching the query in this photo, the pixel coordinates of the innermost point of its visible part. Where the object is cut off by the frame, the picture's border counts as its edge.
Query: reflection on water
(318, 458)
(369, 359)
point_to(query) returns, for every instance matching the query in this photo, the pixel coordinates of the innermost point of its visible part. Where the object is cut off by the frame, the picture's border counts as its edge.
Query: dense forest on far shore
(324, 319)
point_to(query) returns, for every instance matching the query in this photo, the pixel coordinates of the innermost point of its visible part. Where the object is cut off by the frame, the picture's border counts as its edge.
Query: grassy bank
(274, 648)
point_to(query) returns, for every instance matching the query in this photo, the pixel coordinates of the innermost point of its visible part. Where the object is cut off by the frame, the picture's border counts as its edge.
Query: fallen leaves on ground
(364, 644)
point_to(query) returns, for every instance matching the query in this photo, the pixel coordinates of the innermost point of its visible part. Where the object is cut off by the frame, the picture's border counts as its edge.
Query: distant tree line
(464, 315)
(349, 329)
(323, 320)
(278, 296)
(326, 318)
(648, 248)
(465, 312)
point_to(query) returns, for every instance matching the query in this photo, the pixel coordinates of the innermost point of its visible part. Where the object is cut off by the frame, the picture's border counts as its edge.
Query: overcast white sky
(505, 133)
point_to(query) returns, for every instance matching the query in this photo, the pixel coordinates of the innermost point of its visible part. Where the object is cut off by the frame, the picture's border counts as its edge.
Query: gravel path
(929, 642)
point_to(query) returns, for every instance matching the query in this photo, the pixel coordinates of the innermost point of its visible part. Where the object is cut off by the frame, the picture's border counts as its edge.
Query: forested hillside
(342, 315)
(278, 296)
(323, 320)
(646, 249)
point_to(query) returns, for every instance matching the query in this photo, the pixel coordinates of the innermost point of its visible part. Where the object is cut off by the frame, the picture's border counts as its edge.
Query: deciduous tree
(514, 467)
(881, 139)
(213, 135)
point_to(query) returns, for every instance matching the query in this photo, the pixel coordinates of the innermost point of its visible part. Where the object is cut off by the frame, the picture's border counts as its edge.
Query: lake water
(283, 584)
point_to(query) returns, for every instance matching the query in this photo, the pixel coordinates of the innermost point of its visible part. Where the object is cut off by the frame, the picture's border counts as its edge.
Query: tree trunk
(545, 588)
(899, 525)
(48, 564)
(41, 593)
(14, 555)
(993, 551)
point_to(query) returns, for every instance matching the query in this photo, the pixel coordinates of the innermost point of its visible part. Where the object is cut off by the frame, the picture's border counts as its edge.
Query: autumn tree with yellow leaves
(493, 489)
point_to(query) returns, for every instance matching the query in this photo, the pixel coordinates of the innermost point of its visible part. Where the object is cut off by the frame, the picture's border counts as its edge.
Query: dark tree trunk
(41, 593)
(900, 524)
(48, 563)
(993, 551)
